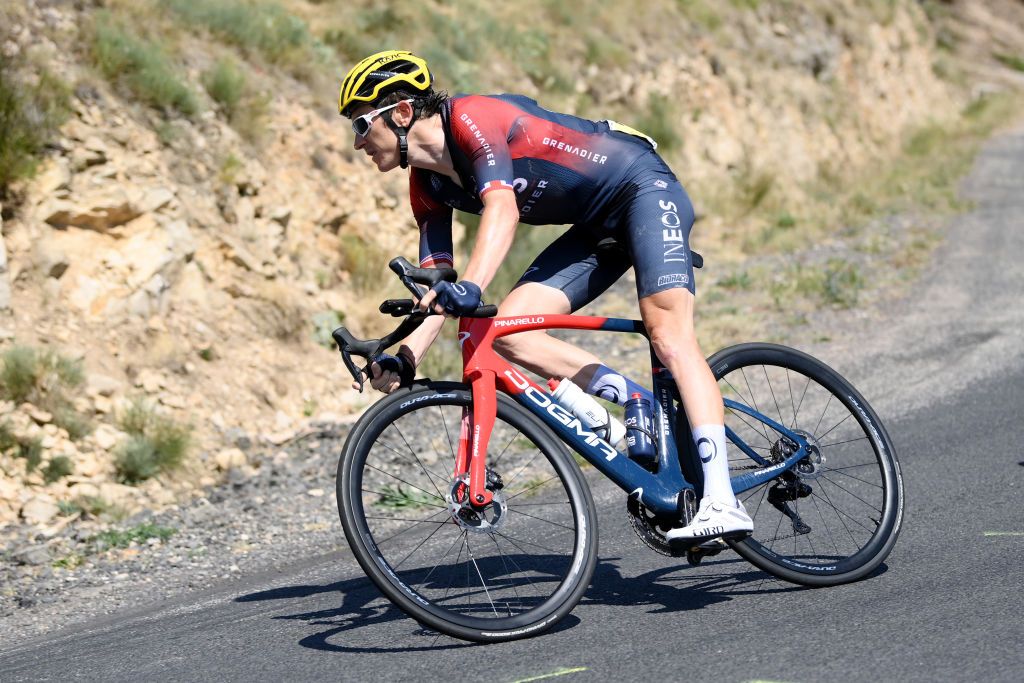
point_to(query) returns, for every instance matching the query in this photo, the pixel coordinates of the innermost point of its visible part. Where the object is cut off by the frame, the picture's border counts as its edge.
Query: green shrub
(136, 460)
(842, 283)
(365, 262)
(1013, 61)
(30, 113)
(226, 84)
(68, 508)
(122, 538)
(245, 109)
(74, 423)
(32, 451)
(155, 444)
(47, 379)
(58, 468)
(258, 28)
(324, 323)
(93, 506)
(8, 440)
(141, 65)
(738, 280)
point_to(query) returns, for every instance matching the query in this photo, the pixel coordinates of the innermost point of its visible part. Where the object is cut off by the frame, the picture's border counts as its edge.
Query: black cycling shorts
(650, 220)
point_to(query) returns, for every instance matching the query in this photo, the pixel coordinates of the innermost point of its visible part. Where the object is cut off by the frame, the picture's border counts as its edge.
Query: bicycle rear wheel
(835, 516)
(508, 571)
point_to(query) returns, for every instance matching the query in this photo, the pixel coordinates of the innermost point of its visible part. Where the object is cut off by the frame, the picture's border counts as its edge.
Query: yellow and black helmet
(381, 74)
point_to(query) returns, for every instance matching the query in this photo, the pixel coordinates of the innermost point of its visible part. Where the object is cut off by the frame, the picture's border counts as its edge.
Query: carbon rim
(838, 511)
(509, 566)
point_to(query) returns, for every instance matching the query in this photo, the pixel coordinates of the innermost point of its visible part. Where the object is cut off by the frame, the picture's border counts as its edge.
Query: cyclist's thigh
(571, 264)
(657, 225)
(529, 298)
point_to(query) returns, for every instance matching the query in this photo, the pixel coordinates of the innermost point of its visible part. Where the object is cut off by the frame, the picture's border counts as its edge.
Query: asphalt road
(944, 370)
(945, 606)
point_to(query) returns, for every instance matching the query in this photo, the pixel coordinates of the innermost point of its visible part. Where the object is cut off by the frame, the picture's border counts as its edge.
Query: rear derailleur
(787, 489)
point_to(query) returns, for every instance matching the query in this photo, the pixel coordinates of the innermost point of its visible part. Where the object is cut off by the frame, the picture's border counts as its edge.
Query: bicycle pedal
(716, 545)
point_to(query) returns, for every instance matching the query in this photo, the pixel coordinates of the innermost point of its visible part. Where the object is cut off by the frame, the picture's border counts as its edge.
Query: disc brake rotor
(478, 520)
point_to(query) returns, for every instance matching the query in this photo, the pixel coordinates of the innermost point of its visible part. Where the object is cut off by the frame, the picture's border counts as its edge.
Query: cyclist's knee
(674, 339)
(516, 347)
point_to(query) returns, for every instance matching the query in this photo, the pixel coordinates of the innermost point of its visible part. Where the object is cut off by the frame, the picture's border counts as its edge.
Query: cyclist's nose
(359, 142)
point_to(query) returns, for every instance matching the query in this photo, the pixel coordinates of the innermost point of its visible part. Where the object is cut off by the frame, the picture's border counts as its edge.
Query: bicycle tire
(853, 463)
(526, 572)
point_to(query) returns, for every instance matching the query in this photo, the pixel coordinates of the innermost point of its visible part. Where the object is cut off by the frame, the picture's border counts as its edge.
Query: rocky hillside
(187, 251)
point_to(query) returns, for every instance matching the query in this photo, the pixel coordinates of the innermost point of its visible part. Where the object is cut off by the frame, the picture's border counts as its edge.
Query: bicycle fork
(474, 436)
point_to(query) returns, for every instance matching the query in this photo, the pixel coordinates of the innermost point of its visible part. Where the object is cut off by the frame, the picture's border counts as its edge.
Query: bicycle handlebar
(349, 345)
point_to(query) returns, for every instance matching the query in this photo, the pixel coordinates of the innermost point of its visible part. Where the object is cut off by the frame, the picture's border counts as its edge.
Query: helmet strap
(402, 132)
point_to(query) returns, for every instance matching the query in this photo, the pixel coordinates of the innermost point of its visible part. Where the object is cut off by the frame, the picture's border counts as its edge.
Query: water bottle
(581, 404)
(640, 430)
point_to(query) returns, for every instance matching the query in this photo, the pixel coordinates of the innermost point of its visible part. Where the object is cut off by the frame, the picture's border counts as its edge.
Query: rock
(92, 152)
(9, 491)
(240, 255)
(281, 215)
(100, 212)
(101, 385)
(40, 509)
(151, 381)
(229, 459)
(35, 556)
(103, 405)
(173, 401)
(54, 177)
(38, 415)
(87, 464)
(239, 437)
(83, 490)
(155, 199)
(117, 494)
(315, 493)
(49, 258)
(8, 514)
(106, 436)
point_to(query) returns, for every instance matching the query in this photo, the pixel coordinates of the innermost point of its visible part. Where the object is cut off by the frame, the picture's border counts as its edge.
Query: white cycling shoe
(714, 520)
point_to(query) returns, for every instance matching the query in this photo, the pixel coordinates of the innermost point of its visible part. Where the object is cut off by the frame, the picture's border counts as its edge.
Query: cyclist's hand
(390, 372)
(459, 298)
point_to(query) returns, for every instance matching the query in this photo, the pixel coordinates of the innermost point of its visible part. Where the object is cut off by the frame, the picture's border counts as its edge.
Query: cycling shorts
(650, 219)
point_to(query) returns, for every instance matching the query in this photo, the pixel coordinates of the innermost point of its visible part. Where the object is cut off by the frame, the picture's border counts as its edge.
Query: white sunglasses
(361, 124)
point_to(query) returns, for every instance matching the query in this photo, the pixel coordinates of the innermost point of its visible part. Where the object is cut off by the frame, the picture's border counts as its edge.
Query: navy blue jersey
(563, 169)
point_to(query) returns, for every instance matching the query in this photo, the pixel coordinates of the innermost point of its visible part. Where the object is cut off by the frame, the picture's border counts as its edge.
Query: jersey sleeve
(480, 128)
(435, 223)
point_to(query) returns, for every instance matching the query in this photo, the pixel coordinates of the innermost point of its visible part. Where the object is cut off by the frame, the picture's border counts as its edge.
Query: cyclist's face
(379, 143)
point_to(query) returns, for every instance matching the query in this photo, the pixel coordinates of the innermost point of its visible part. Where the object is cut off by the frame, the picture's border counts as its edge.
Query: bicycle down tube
(487, 372)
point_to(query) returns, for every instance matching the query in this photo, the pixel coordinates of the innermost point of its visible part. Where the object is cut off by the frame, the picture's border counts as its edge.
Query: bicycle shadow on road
(678, 586)
(365, 622)
(357, 624)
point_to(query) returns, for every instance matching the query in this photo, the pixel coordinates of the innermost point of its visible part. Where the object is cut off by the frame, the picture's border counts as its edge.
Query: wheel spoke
(458, 572)
(847, 508)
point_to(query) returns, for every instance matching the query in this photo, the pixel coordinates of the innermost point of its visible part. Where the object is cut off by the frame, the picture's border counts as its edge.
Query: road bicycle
(466, 509)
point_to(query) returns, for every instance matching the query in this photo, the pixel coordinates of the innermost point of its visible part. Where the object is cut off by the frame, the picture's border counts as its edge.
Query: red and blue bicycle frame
(658, 491)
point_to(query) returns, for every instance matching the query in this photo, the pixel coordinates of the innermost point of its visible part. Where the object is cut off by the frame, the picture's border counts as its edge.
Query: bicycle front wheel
(510, 570)
(834, 517)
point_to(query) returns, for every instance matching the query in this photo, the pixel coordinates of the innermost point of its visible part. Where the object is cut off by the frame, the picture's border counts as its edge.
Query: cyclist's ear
(402, 115)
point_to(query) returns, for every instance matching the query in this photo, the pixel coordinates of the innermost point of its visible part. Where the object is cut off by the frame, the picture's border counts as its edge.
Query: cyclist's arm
(435, 222)
(494, 239)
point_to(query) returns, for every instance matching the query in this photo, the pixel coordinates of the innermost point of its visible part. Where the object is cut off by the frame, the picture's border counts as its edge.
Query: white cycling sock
(710, 440)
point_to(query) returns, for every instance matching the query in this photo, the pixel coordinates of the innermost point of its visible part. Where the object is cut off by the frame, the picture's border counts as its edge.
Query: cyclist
(510, 160)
